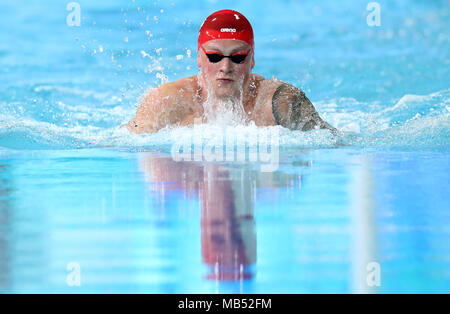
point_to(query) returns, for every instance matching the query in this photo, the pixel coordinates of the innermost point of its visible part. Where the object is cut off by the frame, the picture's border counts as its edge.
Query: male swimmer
(225, 86)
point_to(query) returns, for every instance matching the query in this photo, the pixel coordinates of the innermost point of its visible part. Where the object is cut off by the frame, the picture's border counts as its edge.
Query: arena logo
(228, 30)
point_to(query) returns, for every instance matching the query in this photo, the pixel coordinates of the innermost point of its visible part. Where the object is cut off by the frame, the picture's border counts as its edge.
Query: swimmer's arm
(293, 110)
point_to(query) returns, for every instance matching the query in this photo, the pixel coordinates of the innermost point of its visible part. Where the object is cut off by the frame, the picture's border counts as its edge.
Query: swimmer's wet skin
(293, 110)
(225, 57)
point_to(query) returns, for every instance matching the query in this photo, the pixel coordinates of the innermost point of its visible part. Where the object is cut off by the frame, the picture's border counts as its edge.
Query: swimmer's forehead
(227, 45)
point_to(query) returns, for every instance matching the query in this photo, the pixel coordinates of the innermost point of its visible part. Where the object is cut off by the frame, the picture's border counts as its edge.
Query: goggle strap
(218, 53)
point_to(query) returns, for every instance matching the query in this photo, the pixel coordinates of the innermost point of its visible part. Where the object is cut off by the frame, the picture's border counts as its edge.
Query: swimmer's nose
(225, 65)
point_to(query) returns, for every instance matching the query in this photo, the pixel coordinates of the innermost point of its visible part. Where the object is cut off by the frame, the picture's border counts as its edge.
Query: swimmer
(225, 84)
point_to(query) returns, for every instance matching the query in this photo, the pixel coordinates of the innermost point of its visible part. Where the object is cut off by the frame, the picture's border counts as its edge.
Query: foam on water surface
(414, 121)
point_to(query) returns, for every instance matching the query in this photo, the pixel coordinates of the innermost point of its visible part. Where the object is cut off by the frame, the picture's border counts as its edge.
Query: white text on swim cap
(228, 30)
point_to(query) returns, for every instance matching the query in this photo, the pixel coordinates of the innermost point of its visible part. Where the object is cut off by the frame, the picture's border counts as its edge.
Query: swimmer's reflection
(227, 208)
(228, 225)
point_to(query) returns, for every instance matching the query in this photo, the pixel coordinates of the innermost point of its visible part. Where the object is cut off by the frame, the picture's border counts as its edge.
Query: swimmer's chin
(225, 92)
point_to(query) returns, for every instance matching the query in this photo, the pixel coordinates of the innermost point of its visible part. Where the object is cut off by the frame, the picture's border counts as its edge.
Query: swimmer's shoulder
(265, 89)
(292, 109)
(281, 103)
(266, 84)
(172, 92)
(176, 91)
(186, 83)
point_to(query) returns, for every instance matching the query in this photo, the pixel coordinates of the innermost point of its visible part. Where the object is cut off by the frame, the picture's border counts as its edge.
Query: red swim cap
(226, 24)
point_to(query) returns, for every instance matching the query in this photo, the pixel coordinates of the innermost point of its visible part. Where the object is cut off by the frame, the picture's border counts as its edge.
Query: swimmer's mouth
(224, 80)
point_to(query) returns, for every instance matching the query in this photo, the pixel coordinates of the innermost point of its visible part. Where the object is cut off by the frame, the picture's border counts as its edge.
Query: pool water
(87, 207)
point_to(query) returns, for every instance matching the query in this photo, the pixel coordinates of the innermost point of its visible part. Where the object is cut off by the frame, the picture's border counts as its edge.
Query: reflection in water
(228, 226)
(24, 259)
(228, 236)
(365, 271)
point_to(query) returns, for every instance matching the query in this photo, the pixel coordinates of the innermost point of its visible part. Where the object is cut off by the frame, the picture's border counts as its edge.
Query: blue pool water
(80, 196)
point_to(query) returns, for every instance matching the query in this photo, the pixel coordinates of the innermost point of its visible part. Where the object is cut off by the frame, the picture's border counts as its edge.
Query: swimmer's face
(225, 78)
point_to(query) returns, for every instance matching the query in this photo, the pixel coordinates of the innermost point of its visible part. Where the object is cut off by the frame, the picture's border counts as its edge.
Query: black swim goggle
(237, 57)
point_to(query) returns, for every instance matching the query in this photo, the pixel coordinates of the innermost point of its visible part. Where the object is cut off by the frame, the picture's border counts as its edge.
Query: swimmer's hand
(293, 110)
(134, 127)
